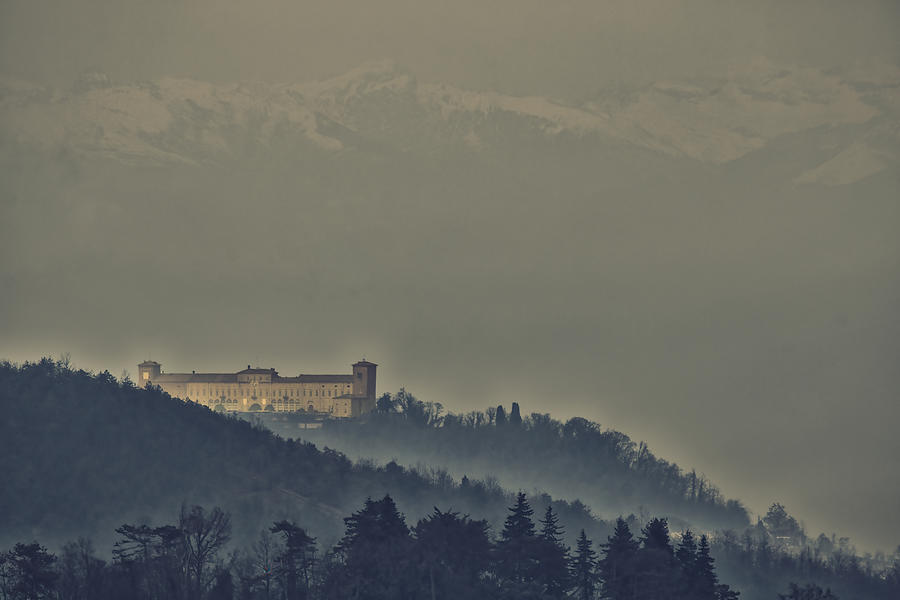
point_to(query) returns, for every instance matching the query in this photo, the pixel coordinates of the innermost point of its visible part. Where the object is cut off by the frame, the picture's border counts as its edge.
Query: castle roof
(249, 371)
(233, 378)
(196, 378)
(326, 378)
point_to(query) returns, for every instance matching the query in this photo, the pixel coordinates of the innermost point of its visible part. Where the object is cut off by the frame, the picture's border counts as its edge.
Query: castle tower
(148, 371)
(364, 382)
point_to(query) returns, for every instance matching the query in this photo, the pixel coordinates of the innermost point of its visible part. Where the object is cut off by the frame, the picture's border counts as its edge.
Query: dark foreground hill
(81, 454)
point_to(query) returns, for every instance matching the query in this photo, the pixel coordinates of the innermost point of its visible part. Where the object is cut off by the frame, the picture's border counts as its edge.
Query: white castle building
(265, 390)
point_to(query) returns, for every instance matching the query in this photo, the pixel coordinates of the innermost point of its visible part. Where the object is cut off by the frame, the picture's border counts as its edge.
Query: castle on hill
(265, 390)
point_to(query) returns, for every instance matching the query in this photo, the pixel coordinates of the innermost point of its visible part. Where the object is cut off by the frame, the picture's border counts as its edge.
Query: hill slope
(81, 454)
(576, 459)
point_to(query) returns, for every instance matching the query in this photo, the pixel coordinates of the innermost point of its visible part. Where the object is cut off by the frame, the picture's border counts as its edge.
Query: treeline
(81, 452)
(776, 552)
(572, 459)
(445, 555)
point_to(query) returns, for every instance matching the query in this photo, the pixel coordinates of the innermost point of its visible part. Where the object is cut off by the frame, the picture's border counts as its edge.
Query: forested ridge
(573, 459)
(80, 453)
(87, 456)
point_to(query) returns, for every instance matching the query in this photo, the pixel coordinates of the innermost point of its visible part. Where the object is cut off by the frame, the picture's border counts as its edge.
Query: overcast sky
(749, 332)
(522, 46)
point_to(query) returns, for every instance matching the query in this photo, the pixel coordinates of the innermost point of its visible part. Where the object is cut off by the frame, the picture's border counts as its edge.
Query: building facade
(265, 390)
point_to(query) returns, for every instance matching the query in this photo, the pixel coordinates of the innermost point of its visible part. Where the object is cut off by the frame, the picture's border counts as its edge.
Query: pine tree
(294, 563)
(376, 553)
(583, 570)
(704, 578)
(686, 555)
(517, 559)
(619, 562)
(551, 531)
(31, 572)
(453, 551)
(554, 556)
(687, 551)
(657, 572)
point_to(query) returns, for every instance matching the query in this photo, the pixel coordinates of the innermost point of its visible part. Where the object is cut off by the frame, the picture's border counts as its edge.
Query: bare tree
(203, 535)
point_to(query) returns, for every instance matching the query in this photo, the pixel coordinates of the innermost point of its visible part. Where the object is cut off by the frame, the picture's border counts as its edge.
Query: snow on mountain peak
(185, 120)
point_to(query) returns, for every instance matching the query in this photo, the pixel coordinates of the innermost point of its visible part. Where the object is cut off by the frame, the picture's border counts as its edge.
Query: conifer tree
(515, 416)
(517, 557)
(687, 551)
(656, 562)
(686, 555)
(554, 556)
(30, 571)
(618, 566)
(704, 579)
(551, 530)
(583, 568)
(453, 551)
(294, 563)
(376, 552)
(501, 416)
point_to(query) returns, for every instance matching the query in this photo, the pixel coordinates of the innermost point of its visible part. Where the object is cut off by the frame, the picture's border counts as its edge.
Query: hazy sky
(749, 331)
(522, 46)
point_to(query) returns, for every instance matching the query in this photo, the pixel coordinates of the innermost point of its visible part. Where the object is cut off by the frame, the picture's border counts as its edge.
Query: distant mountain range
(848, 120)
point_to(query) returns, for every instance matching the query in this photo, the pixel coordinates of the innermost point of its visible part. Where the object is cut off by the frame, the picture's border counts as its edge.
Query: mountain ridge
(185, 121)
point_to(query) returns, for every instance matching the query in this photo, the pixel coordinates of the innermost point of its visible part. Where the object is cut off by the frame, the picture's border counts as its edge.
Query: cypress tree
(501, 416)
(515, 416)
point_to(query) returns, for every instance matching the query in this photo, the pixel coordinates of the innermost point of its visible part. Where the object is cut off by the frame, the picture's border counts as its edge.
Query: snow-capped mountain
(380, 106)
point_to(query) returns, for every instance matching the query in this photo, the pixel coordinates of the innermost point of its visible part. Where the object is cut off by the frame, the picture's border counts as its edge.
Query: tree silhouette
(376, 552)
(553, 556)
(704, 580)
(295, 561)
(28, 572)
(518, 560)
(454, 551)
(618, 566)
(263, 563)
(81, 572)
(501, 416)
(203, 535)
(584, 576)
(656, 563)
(515, 416)
(808, 592)
(686, 555)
